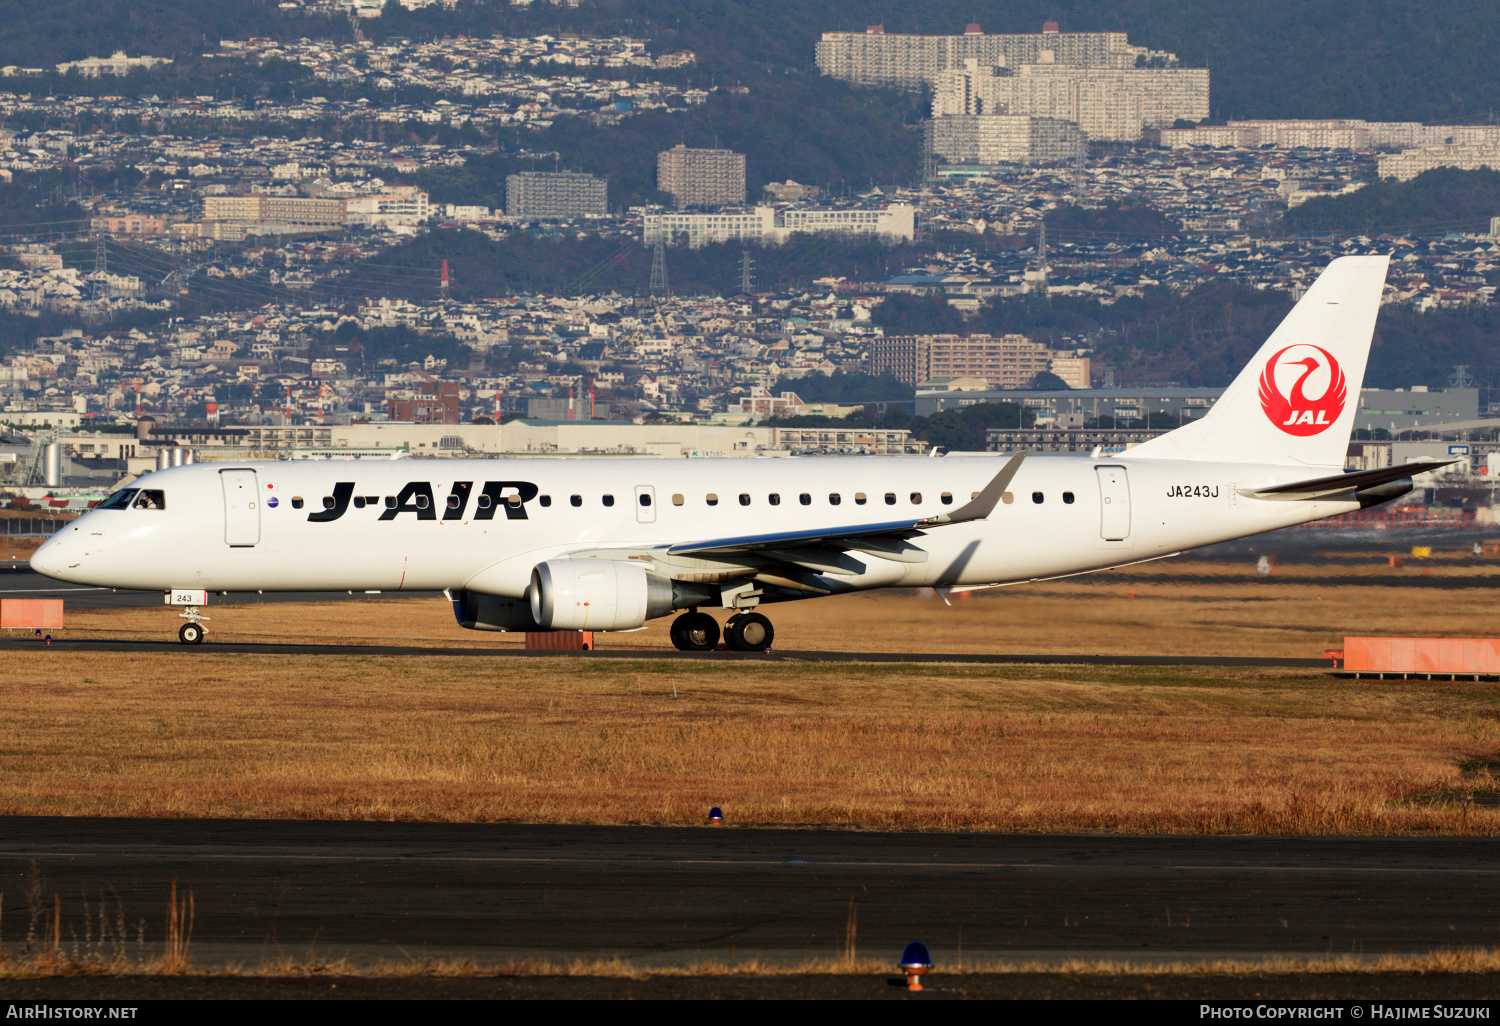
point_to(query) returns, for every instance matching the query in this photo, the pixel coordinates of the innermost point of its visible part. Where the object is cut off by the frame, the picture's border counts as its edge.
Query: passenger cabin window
(859, 498)
(677, 499)
(645, 499)
(711, 498)
(890, 498)
(296, 502)
(833, 498)
(575, 500)
(421, 501)
(744, 499)
(119, 500)
(1068, 498)
(774, 499)
(805, 499)
(483, 502)
(544, 500)
(390, 502)
(609, 500)
(359, 501)
(916, 498)
(453, 502)
(329, 502)
(947, 498)
(1037, 497)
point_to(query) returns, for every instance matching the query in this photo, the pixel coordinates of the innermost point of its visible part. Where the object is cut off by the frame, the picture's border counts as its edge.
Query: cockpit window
(119, 500)
(150, 498)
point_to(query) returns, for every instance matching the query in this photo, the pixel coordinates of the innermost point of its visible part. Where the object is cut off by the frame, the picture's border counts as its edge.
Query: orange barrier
(567, 640)
(1422, 655)
(35, 614)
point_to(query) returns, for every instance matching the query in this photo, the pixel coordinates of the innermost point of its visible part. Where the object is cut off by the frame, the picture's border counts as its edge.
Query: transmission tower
(1460, 377)
(747, 283)
(101, 267)
(659, 269)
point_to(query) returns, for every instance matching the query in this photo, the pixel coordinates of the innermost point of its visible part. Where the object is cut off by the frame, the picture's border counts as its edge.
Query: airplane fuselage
(419, 525)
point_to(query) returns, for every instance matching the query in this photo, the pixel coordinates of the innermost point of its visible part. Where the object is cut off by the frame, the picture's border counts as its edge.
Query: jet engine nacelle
(479, 612)
(596, 595)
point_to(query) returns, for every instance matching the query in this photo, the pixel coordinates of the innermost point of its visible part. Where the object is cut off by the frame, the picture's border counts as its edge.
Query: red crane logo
(1292, 411)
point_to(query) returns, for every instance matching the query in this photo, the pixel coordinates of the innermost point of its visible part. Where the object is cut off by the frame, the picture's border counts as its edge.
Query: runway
(674, 895)
(208, 648)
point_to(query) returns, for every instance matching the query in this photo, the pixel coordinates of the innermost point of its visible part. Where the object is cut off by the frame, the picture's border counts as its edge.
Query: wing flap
(977, 509)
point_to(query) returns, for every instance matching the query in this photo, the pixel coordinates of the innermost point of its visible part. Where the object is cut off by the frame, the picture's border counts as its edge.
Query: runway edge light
(715, 815)
(915, 963)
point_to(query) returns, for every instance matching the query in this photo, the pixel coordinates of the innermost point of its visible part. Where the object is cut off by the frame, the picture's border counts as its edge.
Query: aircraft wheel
(749, 632)
(190, 634)
(695, 632)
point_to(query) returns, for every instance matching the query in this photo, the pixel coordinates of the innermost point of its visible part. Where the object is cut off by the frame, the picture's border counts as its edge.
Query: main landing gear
(744, 632)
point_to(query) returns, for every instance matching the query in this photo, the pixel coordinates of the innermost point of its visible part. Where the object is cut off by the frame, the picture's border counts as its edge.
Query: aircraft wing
(852, 535)
(1337, 484)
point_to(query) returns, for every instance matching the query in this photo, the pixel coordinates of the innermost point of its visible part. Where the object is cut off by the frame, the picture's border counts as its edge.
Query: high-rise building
(706, 178)
(1005, 139)
(874, 57)
(1006, 361)
(561, 194)
(1106, 103)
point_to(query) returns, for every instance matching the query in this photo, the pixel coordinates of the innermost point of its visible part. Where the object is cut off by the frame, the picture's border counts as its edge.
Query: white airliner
(607, 544)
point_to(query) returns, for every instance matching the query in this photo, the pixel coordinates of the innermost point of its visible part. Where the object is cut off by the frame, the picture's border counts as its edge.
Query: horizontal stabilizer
(1338, 484)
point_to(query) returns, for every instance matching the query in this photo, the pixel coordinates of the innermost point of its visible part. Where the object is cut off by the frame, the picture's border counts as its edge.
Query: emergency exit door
(645, 504)
(241, 508)
(1114, 503)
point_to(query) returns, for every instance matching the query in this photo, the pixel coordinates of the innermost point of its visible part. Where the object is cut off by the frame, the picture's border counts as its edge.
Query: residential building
(1007, 362)
(290, 210)
(1005, 139)
(555, 194)
(701, 178)
(875, 57)
(765, 224)
(116, 64)
(129, 224)
(1106, 103)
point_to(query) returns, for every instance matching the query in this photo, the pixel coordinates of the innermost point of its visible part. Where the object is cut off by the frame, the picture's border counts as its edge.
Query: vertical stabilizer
(1295, 401)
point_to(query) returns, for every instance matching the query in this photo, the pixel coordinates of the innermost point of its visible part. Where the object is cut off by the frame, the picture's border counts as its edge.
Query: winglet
(980, 507)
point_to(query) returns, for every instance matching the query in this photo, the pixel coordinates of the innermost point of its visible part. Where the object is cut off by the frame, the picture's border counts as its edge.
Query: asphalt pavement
(669, 895)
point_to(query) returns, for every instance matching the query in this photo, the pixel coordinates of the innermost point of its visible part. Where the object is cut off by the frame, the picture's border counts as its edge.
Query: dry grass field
(930, 746)
(940, 747)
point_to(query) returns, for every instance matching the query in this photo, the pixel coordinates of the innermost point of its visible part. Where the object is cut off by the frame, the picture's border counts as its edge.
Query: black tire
(749, 632)
(695, 632)
(190, 634)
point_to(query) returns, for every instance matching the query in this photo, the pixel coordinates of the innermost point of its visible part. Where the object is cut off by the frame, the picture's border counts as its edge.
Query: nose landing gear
(192, 632)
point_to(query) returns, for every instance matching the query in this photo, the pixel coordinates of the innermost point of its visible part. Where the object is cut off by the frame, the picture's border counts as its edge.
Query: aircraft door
(645, 504)
(241, 508)
(1114, 503)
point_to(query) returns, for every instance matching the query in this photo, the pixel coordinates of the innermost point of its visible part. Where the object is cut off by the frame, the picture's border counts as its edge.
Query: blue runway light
(716, 815)
(916, 963)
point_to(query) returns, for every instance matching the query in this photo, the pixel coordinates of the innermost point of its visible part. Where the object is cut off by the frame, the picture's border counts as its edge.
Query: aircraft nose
(52, 558)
